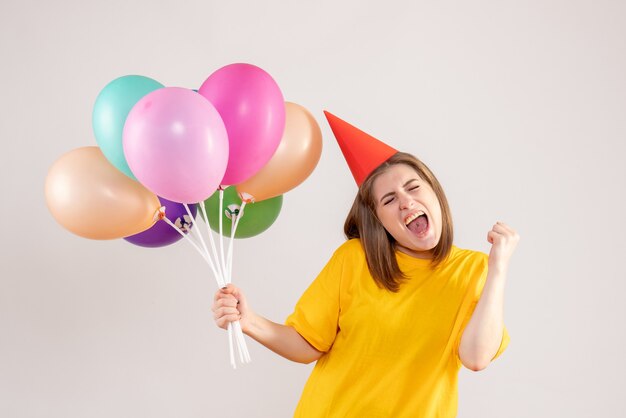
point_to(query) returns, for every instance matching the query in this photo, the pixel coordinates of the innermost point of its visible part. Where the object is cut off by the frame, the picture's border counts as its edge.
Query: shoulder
(469, 261)
(351, 249)
(470, 267)
(346, 261)
(350, 254)
(464, 255)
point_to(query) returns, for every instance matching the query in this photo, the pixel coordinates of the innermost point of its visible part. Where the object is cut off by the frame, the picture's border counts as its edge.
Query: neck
(426, 255)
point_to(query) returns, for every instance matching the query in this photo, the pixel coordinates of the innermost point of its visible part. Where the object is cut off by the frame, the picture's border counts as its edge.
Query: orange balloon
(297, 155)
(90, 197)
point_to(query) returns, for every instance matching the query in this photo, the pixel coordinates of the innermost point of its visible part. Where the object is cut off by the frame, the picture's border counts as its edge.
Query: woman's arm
(483, 334)
(230, 305)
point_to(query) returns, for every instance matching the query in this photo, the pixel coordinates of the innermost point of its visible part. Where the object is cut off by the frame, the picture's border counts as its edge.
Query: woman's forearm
(281, 339)
(483, 334)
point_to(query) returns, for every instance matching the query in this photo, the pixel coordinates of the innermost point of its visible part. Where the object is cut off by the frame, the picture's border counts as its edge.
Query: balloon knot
(245, 197)
(159, 214)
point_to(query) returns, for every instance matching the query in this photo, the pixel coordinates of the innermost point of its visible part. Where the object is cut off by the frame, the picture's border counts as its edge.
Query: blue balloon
(110, 111)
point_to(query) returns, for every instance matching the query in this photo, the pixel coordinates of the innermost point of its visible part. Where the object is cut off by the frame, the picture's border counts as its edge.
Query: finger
(225, 320)
(506, 227)
(239, 294)
(224, 300)
(507, 232)
(235, 291)
(500, 228)
(229, 289)
(226, 290)
(225, 311)
(511, 232)
(228, 300)
(502, 234)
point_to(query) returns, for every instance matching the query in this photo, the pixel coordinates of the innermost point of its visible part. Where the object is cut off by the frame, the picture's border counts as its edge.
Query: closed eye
(412, 186)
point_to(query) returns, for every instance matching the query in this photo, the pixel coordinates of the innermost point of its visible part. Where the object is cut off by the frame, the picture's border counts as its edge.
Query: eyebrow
(392, 193)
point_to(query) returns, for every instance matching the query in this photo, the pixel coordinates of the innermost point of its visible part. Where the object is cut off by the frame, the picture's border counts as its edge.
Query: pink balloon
(176, 144)
(253, 110)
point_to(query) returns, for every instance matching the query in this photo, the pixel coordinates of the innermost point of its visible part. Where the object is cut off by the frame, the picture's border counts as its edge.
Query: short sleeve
(506, 338)
(316, 314)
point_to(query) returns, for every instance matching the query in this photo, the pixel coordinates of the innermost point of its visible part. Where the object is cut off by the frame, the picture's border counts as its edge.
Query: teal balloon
(257, 217)
(110, 111)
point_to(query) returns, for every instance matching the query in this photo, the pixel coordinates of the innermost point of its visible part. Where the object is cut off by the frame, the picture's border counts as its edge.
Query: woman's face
(409, 210)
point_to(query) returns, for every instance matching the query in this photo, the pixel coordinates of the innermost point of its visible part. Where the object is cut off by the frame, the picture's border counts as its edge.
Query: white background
(517, 106)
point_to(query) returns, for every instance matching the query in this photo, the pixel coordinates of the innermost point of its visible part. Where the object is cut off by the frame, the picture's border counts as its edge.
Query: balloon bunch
(166, 153)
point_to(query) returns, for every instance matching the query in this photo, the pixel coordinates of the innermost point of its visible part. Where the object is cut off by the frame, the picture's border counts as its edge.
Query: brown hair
(378, 244)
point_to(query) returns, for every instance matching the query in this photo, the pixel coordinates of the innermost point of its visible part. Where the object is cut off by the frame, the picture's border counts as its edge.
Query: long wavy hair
(378, 244)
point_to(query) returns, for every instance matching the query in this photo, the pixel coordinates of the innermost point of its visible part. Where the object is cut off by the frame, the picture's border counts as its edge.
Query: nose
(406, 202)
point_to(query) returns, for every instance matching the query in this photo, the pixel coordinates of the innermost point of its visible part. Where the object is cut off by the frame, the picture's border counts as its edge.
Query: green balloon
(110, 111)
(257, 217)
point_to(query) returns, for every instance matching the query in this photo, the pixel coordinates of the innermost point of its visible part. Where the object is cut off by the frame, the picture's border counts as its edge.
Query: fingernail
(224, 288)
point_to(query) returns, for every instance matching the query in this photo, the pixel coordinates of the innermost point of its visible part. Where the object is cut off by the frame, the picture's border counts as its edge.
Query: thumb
(229, 289)
(238, 294)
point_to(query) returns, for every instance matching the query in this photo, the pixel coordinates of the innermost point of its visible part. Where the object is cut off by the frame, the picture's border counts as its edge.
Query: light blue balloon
(110, 111)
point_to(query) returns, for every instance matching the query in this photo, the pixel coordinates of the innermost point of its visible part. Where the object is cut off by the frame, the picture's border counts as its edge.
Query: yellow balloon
(295, 158)
(89, 197)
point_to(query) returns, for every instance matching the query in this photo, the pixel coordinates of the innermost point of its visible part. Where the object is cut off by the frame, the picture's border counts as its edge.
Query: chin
(423, 244)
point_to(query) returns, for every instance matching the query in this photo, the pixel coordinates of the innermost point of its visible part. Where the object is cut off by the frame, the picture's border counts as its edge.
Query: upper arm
(316, 315)
(476, 365)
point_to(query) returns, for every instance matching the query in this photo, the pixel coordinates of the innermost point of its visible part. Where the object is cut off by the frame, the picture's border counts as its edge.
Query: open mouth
(417, 222)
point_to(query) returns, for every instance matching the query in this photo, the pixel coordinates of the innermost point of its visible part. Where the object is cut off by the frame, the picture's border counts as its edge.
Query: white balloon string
(233, 219)
(213, 249)
(232, 239)
(192, 230)
(238, 339)
(221, 215)
(237, 334)
(195, 245)
(224, 282)
(230, 346)
(242, 342)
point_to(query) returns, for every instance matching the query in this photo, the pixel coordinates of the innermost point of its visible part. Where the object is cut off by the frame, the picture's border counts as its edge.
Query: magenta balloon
(176, 144)
(253, 110)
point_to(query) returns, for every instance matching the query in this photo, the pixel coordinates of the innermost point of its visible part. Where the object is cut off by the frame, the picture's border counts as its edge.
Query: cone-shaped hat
(362, 152)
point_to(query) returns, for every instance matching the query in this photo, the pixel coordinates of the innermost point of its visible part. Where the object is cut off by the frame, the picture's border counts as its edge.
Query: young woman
(398, 308)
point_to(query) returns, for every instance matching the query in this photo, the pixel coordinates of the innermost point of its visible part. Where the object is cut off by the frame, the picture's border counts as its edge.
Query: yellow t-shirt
(387, 354)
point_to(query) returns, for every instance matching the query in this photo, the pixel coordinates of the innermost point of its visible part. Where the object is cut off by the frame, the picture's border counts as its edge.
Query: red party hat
(362, 152)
